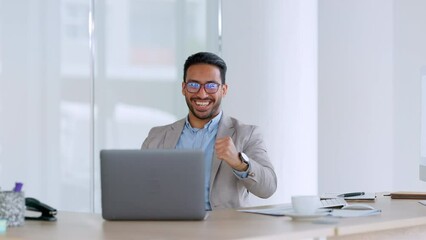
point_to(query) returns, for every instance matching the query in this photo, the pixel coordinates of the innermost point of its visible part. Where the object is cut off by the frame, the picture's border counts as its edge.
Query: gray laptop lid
(164, 184)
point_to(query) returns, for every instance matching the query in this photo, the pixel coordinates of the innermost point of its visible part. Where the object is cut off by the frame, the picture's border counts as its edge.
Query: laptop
(160, 184)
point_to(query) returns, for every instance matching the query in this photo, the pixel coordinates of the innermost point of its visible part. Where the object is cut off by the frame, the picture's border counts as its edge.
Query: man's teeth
(202, 103)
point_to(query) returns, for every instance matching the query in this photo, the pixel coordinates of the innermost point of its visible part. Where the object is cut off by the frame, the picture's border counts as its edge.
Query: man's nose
(202, 92)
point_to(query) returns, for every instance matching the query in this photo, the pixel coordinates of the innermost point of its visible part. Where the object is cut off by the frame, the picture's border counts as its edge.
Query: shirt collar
(210, 125)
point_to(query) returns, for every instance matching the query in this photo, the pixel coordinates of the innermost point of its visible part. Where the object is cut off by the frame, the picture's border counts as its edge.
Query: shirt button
(251, 174)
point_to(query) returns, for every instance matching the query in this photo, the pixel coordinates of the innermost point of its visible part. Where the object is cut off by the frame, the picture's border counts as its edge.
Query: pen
(352, 194)
(18, 187)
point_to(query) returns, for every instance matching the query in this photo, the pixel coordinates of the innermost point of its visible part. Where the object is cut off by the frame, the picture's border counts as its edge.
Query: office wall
(271, 51)
(56, 115)
(370, 55)
(409, 58)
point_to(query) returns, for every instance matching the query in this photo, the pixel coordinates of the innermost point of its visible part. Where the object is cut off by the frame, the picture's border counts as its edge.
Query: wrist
(244, 162)
(242, 167)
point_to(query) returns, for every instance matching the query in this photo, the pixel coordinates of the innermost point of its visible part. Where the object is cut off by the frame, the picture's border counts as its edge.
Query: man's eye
(194, 85)
(211, 85)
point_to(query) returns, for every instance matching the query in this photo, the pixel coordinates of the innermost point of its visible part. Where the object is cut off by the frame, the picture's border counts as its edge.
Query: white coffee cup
(305, 204)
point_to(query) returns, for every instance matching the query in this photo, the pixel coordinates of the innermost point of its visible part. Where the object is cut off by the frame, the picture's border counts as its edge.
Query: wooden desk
(220, 224)
(398, 218)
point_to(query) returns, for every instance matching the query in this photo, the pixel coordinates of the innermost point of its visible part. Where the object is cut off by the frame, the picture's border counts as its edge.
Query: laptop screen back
(161, 184)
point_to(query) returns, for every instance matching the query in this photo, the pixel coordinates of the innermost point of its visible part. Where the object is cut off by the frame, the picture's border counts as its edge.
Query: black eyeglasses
(194, 87)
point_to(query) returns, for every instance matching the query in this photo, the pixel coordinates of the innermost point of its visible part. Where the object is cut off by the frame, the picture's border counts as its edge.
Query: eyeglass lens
(194, 87)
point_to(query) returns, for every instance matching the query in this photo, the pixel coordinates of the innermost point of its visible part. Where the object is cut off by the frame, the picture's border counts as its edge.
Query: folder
(408, 195)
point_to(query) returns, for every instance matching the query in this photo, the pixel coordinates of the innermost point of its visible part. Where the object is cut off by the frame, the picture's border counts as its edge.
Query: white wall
(409, 58)
(370, 54)
(270, 48)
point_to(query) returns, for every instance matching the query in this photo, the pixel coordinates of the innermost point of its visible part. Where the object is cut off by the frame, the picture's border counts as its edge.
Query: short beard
(212, 114)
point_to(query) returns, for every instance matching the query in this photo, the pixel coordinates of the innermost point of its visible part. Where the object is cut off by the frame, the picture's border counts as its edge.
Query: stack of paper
(279, 210)
(354, 213)
(355, 210)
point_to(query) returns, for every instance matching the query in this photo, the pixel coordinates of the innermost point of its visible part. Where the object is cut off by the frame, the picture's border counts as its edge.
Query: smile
(202, 103)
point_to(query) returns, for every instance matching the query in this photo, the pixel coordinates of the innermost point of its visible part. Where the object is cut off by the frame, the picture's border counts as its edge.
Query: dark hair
(206, 58)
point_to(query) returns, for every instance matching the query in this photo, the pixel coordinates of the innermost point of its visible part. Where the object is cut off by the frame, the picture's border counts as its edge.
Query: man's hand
(226, 151)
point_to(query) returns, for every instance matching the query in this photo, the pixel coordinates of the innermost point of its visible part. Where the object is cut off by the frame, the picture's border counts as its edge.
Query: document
(287, 210)
(354, 213)
(280, 210)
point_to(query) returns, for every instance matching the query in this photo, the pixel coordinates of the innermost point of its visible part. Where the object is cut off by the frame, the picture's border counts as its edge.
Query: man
(235, 155)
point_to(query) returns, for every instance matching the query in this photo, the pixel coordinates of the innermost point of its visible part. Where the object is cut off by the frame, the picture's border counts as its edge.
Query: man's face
(201, 104)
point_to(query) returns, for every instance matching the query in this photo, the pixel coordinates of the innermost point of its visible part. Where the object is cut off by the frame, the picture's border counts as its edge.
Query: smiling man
(235, 155)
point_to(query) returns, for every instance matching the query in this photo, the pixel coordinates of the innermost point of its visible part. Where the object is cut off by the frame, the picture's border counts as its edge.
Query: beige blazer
(226, 189)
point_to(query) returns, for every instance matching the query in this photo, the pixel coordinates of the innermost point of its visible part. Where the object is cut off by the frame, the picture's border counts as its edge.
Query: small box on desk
(12, 207)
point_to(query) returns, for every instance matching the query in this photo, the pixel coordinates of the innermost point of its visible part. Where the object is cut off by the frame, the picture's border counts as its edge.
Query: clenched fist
(226, 151)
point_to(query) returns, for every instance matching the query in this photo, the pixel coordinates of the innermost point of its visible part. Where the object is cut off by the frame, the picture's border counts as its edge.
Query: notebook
(152, 184)
(368, 196)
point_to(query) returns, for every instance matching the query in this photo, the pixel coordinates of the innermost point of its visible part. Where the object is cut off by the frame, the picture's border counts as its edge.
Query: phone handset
(47, 212)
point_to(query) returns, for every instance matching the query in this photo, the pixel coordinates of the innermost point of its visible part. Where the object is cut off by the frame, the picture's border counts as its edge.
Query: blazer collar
(225, 127)
(173, 135)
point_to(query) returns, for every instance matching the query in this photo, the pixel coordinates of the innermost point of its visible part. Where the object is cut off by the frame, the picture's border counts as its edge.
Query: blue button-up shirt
(201, 139)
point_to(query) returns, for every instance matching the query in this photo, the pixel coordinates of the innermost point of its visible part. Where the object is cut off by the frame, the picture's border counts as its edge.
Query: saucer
(302, 216)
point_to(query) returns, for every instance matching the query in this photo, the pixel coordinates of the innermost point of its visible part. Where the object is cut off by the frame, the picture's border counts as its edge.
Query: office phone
(47, 212)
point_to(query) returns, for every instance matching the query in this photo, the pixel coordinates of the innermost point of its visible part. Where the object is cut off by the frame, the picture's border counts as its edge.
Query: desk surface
(222, 224)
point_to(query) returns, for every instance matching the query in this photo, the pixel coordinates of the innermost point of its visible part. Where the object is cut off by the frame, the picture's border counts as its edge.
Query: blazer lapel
(225, 129)
(173, 135)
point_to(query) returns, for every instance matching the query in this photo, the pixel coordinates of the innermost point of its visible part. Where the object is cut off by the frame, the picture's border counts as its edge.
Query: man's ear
(183, 88)
(224, 89)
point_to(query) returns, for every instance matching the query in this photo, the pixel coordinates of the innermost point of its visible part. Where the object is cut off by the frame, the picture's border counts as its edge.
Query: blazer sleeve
(261, 179)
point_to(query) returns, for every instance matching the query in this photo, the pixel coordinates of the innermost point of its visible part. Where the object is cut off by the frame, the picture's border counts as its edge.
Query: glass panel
(141, 46)
(45, 101)
(46, 88)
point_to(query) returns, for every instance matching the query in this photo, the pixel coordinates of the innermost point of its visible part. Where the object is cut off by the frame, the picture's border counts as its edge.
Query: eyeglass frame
(204, 86)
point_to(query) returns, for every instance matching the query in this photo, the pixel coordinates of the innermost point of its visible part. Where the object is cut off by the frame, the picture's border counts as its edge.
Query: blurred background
(334, 85)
